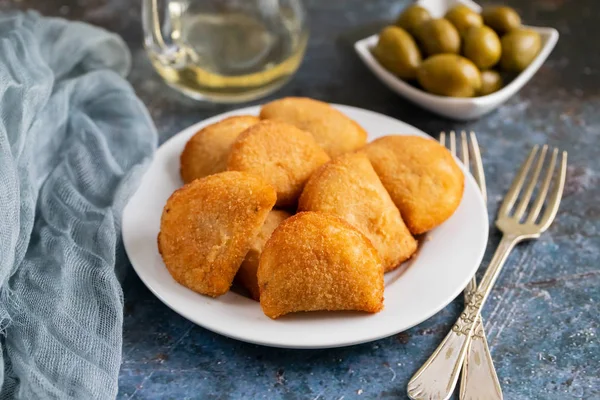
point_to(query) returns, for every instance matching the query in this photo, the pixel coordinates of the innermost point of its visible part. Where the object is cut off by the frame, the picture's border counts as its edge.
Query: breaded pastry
(316, 261)
(333, 131)
(281, 154)
(207, 151)
(246, 275)
(421, 177)
(207, 228)
(349, 188)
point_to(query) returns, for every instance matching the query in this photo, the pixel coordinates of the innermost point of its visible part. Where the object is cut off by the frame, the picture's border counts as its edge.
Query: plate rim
(270, 341)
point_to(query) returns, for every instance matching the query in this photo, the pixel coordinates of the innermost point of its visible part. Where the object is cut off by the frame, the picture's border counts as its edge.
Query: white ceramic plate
(447, 259)
(456, 108)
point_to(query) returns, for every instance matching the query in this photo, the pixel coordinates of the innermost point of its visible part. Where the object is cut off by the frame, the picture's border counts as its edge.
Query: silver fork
(437, 378)
(479, 379)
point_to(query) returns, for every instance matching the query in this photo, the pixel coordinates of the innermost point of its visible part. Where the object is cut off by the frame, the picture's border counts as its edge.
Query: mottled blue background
(543, 315)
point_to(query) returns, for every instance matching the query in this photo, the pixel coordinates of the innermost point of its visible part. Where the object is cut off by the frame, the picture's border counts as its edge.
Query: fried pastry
(421, 177)
(207, 151)
(316, 261)
(349, 188)
(208, 226)
(246, 275)
(281, 154)
(333, 131)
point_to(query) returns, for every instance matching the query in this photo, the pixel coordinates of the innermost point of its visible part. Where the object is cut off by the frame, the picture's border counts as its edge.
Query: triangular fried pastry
(421, 177)
(207, 228)
(281, 154)
(333, 131)
(349, 188)
(316, 261)
(207, 151)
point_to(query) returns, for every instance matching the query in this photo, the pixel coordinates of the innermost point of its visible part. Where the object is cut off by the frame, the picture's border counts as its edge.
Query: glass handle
(169, 52)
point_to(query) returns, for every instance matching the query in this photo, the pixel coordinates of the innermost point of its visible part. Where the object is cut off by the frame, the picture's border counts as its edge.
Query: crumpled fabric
(74, 142)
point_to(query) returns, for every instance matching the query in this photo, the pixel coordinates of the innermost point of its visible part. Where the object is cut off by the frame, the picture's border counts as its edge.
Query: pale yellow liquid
(232, 57)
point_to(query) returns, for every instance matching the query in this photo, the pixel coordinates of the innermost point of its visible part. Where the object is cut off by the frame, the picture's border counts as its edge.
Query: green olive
(463, 18)
(491, 81)
(397, 51)
(438, 36)
(449, 75)
(482, 46)
(412, 17)
(501, 19)
(519, 49)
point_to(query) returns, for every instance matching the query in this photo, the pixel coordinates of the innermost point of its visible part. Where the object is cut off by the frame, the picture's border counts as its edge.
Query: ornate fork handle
(478, 379)
(437, 378)
(478, 376)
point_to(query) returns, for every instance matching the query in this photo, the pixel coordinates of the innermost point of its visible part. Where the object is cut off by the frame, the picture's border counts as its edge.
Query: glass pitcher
(225, 51)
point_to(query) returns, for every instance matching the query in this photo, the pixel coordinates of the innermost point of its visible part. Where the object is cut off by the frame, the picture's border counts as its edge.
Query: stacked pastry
(357, 208)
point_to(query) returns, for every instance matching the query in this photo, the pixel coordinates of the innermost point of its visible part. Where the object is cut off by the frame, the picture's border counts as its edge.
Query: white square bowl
(454, 107)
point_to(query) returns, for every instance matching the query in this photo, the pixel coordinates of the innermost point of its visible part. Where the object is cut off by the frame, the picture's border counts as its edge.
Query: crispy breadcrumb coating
(208, 226)
(333, 131)
(281, 154)
(316, 261)
(206, 152)
(421, 177)
(349, 188)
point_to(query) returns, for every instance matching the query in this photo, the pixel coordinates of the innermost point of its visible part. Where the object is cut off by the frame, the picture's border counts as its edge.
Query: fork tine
(532, 183)
(443, 138)
(539, 201)
(554, 202)
(478, 166)
(453, 143)
(464, 153)
(517, 184)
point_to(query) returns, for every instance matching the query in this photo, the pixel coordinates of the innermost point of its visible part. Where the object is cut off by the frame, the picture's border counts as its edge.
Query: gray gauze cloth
(74, 142)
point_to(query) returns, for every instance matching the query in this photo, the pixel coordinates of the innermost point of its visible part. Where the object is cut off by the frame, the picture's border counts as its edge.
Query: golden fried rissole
(349, 188)
(207, 228)
(207, 151)
(246, 275)
(316, 261)
(281, 154)
(421, 177)
(333, 131)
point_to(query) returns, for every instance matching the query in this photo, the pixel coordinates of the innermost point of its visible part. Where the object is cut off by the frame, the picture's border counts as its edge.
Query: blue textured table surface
(543, 315)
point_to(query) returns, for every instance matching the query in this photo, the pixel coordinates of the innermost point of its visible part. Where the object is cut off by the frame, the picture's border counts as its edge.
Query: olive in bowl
(463, 18)
(501, 19)
(438, 36)
(449, 75)
(397, 51)
(519, 48)
(482, 46)
(412, 17)
(491, 81)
